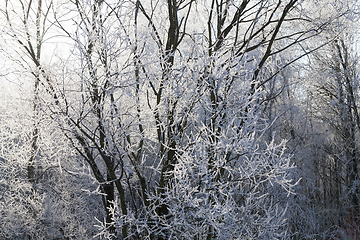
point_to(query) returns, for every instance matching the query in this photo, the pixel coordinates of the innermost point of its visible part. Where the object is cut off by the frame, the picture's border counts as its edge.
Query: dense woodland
(179, 119)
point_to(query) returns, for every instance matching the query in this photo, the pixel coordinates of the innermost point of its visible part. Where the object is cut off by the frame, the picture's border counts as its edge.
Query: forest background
(179, 119)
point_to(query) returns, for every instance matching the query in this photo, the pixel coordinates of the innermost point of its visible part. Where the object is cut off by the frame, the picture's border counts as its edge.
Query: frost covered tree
(336, 108)
(40, 196)
(166, 103)
(324, 139)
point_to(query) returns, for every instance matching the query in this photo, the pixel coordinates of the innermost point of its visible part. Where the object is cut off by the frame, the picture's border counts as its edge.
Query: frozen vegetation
(179, 119)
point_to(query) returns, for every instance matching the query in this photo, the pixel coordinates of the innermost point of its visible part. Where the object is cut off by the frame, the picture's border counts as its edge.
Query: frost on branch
(240, 194)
